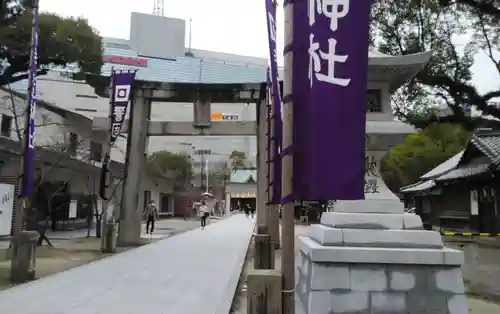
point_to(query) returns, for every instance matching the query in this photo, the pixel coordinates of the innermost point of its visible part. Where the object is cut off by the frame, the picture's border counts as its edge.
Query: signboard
(372, 175)
(201, 152)
(219, 116)
(132, 61)
(6, 208)
(474, 204)
(73, 206)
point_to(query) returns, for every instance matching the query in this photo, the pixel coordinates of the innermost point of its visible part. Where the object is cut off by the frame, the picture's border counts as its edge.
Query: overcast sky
(219, 25)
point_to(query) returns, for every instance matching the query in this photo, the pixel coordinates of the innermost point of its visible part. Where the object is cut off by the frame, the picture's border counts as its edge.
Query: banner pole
(27, 163)
(288, 212)
(273, 208)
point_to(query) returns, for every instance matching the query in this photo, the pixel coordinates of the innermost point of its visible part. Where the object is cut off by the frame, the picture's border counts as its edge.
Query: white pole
(288, 215)
(206, 175)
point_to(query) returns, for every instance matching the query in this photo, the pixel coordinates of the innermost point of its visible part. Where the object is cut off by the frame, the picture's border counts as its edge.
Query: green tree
(176, 166)
(223, 172)
(238, 159)
(455, 31)
(422, 151)
(62, 42)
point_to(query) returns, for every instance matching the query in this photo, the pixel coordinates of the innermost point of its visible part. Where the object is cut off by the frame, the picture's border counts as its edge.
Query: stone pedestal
(377, 260)
(24, 257)
(109, 243)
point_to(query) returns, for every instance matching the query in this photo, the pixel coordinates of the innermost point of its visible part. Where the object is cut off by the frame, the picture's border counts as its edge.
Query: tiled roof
(463, 172)
(489, 144)
(43, 104)
(444, 167)
(486, 141)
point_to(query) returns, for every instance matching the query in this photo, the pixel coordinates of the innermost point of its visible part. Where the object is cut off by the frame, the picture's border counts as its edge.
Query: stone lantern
(368, 256)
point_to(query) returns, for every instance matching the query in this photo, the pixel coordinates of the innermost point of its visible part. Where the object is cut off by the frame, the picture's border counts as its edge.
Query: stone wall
(379, 261)
(325, 288)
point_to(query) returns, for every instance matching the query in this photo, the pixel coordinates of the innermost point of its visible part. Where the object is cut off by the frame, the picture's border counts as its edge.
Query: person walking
(150, 214)
(246, 209)
(203, 214)
(252, 211)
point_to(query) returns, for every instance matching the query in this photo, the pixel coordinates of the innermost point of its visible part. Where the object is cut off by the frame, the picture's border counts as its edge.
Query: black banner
(120, 92)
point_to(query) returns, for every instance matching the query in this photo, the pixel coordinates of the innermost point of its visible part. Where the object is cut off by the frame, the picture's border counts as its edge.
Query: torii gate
(139, 127)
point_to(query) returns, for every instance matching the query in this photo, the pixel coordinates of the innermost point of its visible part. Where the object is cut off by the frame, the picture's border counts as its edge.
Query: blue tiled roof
(183, 69)
(190, 70)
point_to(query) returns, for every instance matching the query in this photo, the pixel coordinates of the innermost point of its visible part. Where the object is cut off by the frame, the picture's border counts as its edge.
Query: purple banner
(330, 65)
(121, 88)
(277, 122)
(119, 96)
(28, 174)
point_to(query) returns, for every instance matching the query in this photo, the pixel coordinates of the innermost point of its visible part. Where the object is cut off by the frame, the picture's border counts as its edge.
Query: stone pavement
(194, 272)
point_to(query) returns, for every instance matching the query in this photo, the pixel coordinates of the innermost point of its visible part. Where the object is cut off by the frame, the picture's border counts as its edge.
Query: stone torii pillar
(131, 208)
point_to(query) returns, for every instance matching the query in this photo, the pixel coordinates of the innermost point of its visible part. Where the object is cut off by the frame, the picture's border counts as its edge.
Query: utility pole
(261, 164)
(288, 213)
(203, 153)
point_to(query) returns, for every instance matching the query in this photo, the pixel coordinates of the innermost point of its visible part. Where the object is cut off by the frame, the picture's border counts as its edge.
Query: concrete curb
(226, 301)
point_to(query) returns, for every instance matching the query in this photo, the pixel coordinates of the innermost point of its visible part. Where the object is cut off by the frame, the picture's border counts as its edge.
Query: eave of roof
(45, 155)
(420, 186)
(48, 106)
(466, 171)
(444, 167)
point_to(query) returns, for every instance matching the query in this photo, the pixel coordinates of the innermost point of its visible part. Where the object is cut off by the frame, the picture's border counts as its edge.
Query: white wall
(51, 129)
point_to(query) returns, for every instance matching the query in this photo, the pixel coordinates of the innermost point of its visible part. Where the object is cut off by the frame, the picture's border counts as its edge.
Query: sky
(218, 25)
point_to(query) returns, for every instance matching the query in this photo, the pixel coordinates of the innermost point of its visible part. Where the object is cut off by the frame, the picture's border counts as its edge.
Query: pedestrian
(203, 214)
(150, 214)
(252, 211)
(246, 208)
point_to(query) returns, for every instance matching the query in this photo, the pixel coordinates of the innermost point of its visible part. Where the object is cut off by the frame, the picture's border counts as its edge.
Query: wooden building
(463, 192)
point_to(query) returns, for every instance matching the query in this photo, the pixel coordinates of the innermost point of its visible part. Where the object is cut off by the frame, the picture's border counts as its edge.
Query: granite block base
(372, 288)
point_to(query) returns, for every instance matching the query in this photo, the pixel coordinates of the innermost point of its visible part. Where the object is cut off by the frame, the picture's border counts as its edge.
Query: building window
(5, 125)
(373, 100)
(95, 151)
(85, 110)
(73, 144)
(86, 96)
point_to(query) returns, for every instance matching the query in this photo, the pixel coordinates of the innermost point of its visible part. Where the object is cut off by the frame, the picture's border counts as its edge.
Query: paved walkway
(194, 272)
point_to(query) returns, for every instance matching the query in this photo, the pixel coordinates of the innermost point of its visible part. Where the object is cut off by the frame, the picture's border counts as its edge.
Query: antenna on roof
(189, 53)
(190, 33)
(158, 7)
